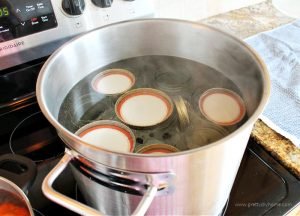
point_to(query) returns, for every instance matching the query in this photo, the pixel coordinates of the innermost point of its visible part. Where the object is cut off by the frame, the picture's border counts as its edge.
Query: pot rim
(20, 192)
(74, 138)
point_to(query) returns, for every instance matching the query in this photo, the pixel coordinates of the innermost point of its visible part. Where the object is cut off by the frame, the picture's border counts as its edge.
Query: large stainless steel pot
(191, 182)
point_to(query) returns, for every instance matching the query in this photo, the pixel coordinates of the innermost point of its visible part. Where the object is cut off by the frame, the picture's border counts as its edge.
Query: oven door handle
(81, 208)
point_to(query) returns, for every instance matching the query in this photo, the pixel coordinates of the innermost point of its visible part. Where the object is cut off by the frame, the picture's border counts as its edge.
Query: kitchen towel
(280, 50)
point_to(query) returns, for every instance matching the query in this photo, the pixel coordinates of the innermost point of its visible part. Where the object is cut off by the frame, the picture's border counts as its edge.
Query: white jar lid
(113, 81)
(110, 135)
(144, 107)
(222, 106)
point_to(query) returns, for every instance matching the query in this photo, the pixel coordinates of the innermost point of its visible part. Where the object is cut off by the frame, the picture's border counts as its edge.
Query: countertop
(244, 23)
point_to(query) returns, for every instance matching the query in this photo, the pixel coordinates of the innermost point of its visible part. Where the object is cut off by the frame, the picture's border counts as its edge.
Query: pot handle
(18, 169)
(78, 207)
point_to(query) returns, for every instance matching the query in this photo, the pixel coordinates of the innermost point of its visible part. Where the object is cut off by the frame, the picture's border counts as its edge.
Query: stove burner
(37, 212)
(36, 139)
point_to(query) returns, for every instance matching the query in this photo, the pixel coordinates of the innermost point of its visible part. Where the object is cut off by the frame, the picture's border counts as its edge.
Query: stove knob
(102, 3)
(73, 7)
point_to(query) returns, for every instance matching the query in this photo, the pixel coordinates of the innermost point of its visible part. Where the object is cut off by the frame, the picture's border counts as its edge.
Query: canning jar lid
(222, 106)
(113, 81)
(110, 135)
(144, 107)
(157, 149)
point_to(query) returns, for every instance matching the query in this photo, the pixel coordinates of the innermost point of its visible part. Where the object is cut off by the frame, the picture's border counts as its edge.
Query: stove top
(262, 185)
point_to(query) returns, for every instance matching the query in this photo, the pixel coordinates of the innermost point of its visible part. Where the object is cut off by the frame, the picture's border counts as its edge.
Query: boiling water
(183, 80)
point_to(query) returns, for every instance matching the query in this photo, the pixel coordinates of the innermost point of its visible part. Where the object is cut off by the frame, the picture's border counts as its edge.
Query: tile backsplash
(196, 9)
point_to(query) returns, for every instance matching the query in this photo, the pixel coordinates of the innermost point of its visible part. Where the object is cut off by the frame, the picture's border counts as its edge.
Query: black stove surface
(262, 185)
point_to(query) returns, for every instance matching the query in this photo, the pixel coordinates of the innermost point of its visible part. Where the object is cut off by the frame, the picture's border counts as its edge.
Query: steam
(176, 77)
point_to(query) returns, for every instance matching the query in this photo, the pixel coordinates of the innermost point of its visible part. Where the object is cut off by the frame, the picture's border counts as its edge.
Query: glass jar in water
(179, 78)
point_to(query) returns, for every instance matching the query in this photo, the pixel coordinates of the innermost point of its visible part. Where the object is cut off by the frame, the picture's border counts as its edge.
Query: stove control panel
(34, 29)
(22, 18)
(103, 3)
(73, 7)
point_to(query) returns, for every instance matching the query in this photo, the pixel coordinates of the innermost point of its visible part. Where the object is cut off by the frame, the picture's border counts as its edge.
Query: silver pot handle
(78, 207)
